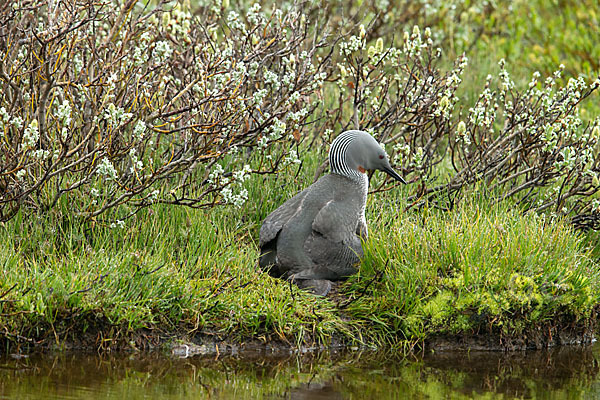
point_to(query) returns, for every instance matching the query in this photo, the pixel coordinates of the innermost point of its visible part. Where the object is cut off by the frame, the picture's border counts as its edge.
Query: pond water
(563, 373)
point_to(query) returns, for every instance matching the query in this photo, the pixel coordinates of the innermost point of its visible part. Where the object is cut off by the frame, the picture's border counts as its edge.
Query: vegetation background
(142, 144)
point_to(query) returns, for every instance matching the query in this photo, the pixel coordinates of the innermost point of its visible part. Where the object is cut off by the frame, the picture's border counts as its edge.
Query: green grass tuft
(482, 268)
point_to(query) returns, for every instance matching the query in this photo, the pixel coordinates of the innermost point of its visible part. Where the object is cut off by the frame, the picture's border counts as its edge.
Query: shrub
(108, 108)
(104, 105)
(529, 143)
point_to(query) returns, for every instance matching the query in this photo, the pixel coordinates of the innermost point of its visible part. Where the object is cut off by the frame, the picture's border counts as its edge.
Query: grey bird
(315, 237)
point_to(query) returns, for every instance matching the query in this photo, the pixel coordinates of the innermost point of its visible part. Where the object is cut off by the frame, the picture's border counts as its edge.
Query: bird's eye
(381, 156)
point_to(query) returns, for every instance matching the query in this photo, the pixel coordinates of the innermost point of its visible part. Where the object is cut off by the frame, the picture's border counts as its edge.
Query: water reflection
(522, 374)
(570, 373)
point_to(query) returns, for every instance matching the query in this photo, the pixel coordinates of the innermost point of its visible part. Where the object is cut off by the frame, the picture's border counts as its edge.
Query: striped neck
(338, 159)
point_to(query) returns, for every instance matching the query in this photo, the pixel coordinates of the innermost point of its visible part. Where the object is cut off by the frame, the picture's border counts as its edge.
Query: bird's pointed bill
(394, 174)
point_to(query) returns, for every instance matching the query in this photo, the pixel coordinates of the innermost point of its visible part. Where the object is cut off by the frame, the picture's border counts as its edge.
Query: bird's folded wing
(275, 221)
(333, 222)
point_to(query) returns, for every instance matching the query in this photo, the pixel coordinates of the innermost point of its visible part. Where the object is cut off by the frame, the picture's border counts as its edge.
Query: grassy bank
(480, 270)
(177, 271)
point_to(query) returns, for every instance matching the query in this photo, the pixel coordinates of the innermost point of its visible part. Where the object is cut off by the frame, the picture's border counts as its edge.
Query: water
(564, 373)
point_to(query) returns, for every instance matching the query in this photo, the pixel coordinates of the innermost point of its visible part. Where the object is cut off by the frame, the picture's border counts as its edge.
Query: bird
(316, 236)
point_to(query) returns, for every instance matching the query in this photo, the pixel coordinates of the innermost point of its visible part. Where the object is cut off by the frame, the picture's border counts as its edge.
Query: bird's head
(354, 151)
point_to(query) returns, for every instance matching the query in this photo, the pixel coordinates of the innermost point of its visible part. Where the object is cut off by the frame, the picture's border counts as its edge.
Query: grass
(173, 269)
(481, 269)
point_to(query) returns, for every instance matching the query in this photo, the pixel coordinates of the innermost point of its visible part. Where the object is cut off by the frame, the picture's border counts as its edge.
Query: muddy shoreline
(100, 335)
(208, 344)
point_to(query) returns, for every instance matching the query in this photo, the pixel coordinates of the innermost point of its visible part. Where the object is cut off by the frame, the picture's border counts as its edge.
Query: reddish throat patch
(361, 169)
